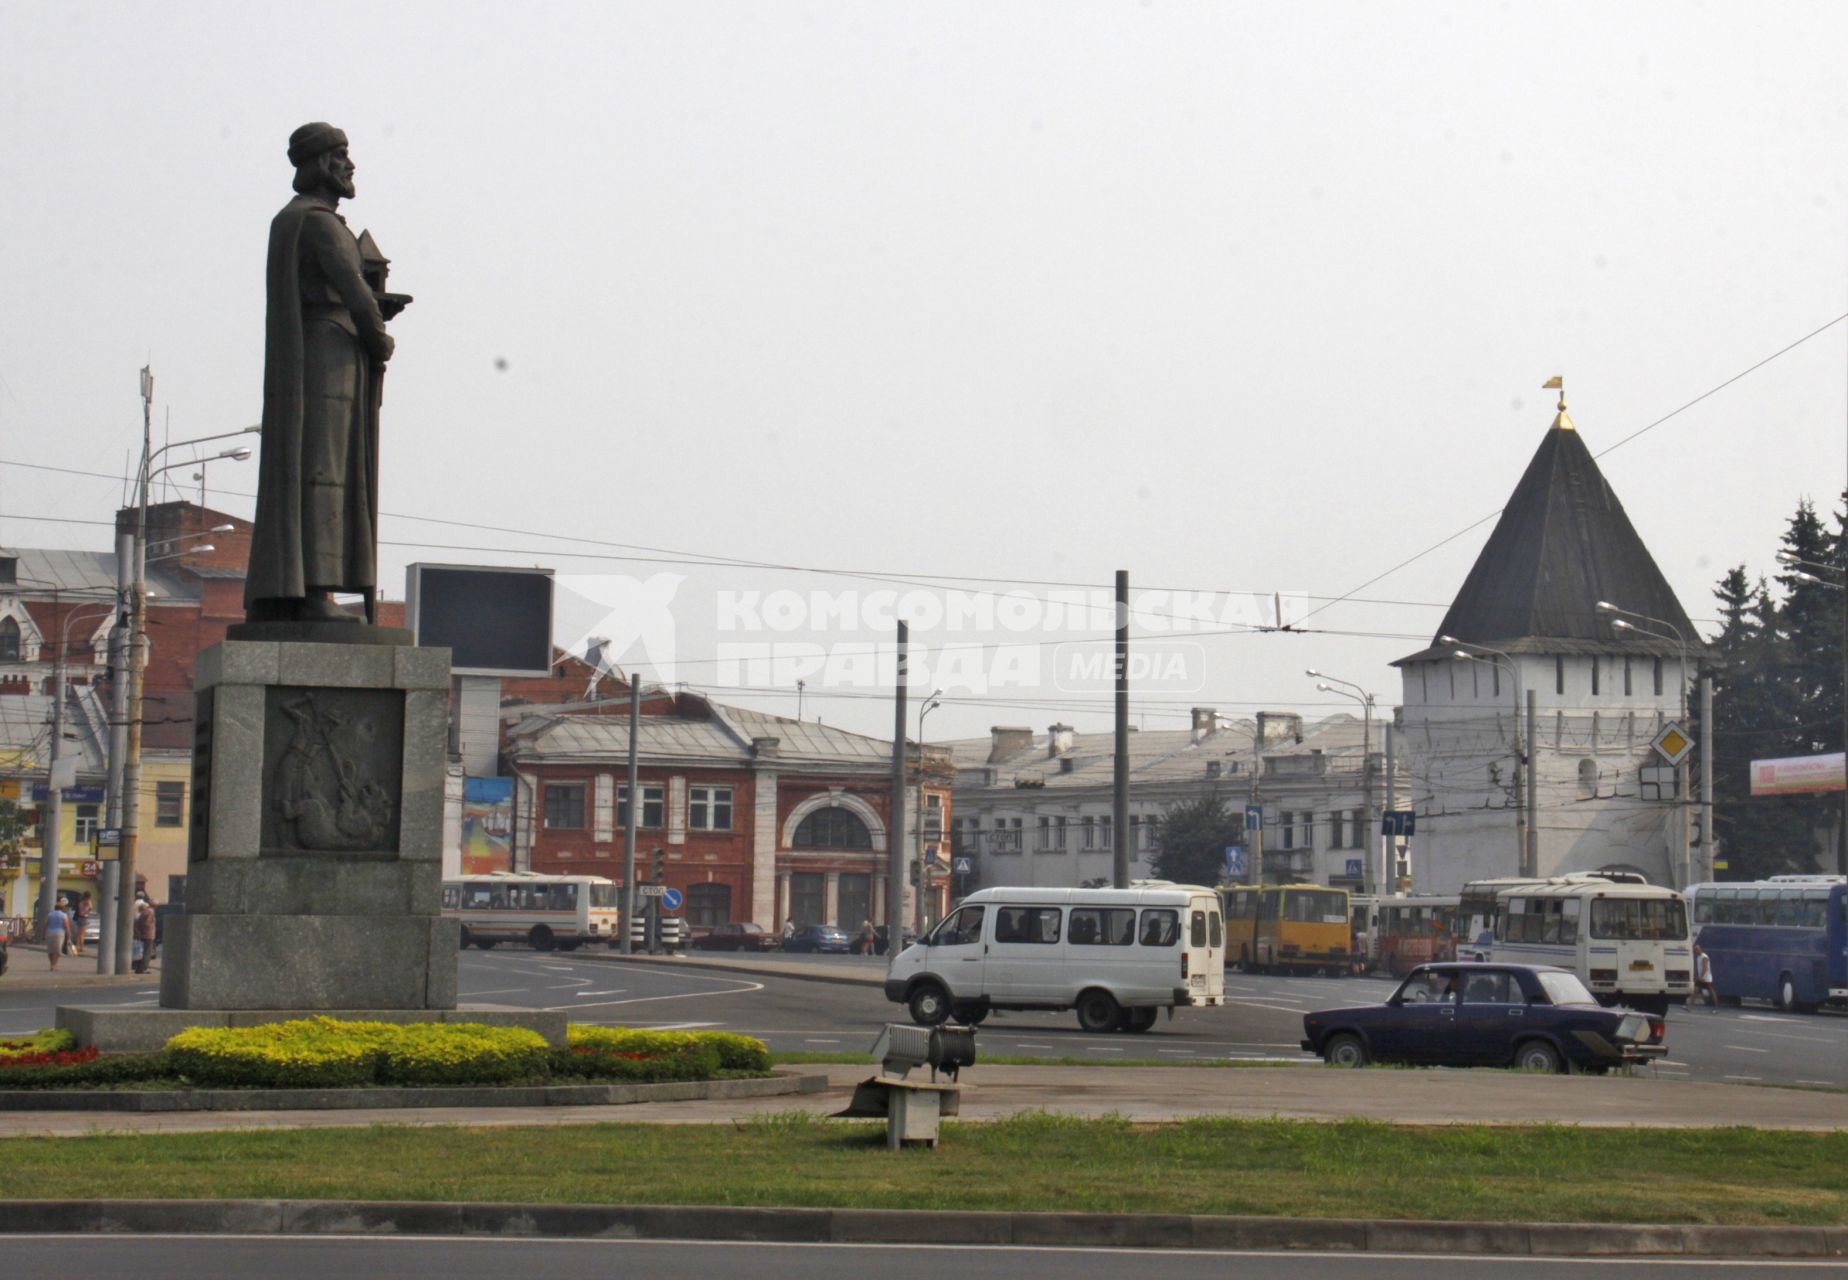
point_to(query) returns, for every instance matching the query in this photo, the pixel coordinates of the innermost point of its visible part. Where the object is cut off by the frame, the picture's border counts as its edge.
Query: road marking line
(1827, 1083)
(1177, 1053)
(1101, 1049)
(1744, 1048)
(1742, 1077)
(585, 995)
(498, 991)
(676, 1026)
(819, 1040)
(1024, 1045)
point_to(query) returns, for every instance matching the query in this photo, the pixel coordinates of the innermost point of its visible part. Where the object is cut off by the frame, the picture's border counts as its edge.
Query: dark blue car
(816, 937)
(1535, 1017)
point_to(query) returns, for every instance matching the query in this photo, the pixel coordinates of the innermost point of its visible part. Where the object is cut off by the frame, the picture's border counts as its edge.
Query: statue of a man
(325, 350)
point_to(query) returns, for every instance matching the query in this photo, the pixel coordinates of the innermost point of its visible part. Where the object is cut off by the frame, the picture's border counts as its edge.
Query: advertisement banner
(487, 825)
(1797, 775)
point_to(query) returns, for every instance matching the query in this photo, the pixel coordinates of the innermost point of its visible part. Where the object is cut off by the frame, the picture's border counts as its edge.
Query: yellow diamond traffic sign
(1672, 744)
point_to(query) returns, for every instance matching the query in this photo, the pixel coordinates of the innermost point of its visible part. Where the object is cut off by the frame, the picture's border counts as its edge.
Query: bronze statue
(324, 360)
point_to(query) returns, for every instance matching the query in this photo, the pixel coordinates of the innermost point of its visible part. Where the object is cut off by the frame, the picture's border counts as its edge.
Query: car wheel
(467, 937)
(1786, 993)
(971, 1015)
(929, 1004)
(485, 944)
(1137, 1020)
(1098, 1011)
(1538, 1055)
(540, 937)
(1344, 1050)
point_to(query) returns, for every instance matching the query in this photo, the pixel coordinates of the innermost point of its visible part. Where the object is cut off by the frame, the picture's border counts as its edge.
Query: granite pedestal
(314, 864)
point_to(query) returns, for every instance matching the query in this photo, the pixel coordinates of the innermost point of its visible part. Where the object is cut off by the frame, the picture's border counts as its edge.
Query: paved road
(1261, 1021)
(286, 1258)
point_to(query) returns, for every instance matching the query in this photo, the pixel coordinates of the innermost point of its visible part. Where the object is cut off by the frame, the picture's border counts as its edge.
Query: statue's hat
(311, 140)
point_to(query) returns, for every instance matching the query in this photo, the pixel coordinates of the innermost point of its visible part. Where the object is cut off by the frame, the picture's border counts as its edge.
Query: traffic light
(660, 863)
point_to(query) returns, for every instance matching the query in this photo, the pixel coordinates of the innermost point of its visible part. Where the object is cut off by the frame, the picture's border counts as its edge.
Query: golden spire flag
(1554, 383)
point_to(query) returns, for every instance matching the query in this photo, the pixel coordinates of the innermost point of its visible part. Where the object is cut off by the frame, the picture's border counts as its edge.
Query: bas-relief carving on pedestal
(332, 771)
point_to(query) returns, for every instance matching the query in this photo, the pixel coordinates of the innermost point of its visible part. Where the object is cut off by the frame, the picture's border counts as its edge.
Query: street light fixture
(1371, 882)
(1688, 871)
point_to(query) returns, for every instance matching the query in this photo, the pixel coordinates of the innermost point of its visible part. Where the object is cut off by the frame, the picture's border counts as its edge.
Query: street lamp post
(1682, 799)
(1526, 769)
(137, 658)
(1370, 840)
(929, 705)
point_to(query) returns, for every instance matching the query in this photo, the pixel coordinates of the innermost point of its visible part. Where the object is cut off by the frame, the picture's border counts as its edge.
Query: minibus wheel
(467, 938)
(929, 1004)
(971, 1015)
(1098, 1011)
(540, 937)
(1138, 1019)
(485, 944)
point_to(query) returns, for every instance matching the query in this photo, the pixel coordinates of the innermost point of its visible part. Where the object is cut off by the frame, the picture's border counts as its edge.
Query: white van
(1115, 955)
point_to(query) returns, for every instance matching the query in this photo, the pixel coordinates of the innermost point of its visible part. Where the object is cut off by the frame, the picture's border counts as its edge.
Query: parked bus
(1301, 927)
(1116, 956)
(1414, 930)
(1781, 939)
(1626, 939)
(542, 911)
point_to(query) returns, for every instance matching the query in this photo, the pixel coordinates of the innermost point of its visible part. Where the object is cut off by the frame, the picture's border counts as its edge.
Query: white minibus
(542, 911)
(1117, 956)
(1627, 940)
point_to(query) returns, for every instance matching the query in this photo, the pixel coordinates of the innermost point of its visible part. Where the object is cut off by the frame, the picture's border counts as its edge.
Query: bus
(1626, 939)
(1304, 928)
(1781, 939)
(545, 912)
(1413, 930)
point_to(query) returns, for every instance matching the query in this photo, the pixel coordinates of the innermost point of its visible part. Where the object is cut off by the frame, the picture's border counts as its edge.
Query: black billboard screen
(493, 621)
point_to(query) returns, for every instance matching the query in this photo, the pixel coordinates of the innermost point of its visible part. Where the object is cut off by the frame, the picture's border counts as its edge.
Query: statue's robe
(317, 509)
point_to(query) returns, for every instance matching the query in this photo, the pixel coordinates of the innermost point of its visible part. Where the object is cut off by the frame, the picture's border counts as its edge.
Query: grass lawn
(1031, 1162)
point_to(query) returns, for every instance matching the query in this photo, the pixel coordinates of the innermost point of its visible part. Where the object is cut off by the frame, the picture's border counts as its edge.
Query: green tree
(13, 829)
(1194, 836)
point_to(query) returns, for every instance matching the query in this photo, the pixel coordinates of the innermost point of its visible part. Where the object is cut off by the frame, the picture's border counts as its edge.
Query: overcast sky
(1248, 298)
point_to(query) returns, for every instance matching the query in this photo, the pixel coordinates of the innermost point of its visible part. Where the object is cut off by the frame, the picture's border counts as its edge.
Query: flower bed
(325, 1053)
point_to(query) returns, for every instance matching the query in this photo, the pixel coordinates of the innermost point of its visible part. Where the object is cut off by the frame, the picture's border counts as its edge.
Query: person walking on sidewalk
(1703, 980)
(144, 935)
(80, 916)
(57, 932)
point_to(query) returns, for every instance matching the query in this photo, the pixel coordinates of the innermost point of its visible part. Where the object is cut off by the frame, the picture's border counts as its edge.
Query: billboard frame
(413, 580)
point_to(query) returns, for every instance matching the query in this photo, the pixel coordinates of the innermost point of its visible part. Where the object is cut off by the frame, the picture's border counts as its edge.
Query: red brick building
(757, 817)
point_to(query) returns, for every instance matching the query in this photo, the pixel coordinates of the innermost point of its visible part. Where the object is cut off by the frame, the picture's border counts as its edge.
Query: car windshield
(1565, 988)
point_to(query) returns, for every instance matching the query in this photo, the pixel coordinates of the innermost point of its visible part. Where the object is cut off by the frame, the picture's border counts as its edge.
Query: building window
(1424, 682)
(86, 824)
(708, 904)
(856, 901)
(654, 806)
(1588, 779)
(1475, 679)
(9, 640)
(933, 815)
(1595, 668)
(1559, 673)
(1058, 833)
(808, 896)
(1334, 830)
(1090, 832)
(564, 806)
(1289, 829)
(1045, 834)
(1627, 691)
(169, 804)
(708, 808)
(1452, 668)
(832, 829)
(1495, 675)
(1658, 677)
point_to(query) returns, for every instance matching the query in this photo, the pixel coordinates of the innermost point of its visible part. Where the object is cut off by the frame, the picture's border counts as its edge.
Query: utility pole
(630, 815)
(1530, 856)
(1389, 871)
(54, 789)
(1119, 808)
(1255, 836)
(895, 826)
(1704, 867)
(118, 748)
(137, 660)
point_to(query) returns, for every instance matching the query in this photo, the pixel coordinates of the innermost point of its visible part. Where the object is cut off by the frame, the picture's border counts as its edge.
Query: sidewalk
(28, 967)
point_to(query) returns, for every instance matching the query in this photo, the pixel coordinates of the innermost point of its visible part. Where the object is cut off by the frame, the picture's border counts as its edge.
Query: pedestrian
(80, 916)
(144, 934)
(1703, 980)
(868, 939)
(57, 933)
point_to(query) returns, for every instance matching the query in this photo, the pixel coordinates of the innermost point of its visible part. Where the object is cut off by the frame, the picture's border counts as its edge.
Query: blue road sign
(962, 866)
(1254, 817)
(1398, 822)
(671, 898)
(1235, 861)
(1353, 868)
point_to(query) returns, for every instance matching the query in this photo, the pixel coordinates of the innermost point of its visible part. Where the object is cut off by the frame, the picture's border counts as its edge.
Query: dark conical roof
(1562, 545)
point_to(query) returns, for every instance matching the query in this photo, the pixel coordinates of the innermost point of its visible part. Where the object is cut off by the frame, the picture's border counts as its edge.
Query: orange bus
(1415, 930)
(1287, 927)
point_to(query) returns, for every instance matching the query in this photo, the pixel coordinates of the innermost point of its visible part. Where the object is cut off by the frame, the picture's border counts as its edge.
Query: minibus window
(1027, 924)
(1161, 927)
(1196, 932)
(1103, 926)
(1218, 929)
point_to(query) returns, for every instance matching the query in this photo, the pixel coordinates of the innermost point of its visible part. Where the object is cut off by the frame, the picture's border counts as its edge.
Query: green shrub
(322, 1053)
(647, 1057)
(739, 1053)
(464, 1053)
(38, 1044)
(120, 1068)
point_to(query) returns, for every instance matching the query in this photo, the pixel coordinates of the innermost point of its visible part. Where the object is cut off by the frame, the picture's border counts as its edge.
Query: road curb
(783, 1083)
(755, 970)
(894, 1226)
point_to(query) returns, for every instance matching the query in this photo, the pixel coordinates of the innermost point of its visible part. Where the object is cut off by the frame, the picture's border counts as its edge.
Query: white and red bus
(544, 912)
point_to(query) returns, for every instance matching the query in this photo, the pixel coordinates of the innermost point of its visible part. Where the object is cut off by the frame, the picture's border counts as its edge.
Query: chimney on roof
(763, 748)
(1214, 768)
(1205, 722)
(1007, 740)
(1059, 740)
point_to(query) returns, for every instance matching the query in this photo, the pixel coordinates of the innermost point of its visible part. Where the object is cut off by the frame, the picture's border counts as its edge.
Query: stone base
(329, 964)
(119, 1030)
(354, 632)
